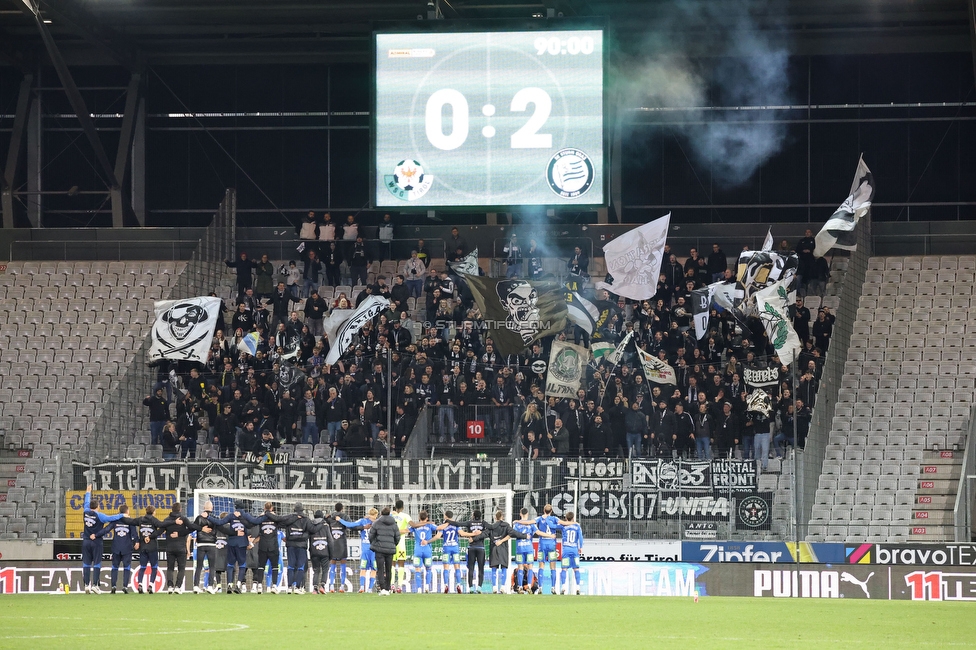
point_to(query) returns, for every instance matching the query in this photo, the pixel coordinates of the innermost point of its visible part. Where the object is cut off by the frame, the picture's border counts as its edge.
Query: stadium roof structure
(136, 33)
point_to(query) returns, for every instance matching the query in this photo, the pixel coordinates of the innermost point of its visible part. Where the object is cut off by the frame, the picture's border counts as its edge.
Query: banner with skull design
(517, 312)
(566, 365)
(634, 260)
(184, 329)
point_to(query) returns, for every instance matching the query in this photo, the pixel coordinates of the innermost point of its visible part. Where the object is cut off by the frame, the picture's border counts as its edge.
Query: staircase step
(940, 472)
(935, 501)
(932, 486)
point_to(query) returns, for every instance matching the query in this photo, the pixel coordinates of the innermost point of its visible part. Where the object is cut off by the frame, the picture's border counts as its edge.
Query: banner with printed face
(183, 329)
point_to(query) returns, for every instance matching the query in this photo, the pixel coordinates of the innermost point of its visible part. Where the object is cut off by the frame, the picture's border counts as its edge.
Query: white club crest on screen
(570, 173)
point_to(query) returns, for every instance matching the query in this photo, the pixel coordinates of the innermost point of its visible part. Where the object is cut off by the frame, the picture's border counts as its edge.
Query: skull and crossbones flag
(518, 312)
(184, 329)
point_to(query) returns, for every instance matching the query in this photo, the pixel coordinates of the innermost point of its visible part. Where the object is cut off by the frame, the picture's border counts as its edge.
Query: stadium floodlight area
(357, 503)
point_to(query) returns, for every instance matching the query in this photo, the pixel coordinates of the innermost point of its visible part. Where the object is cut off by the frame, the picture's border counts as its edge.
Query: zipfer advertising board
(674, 579)
(774, 552)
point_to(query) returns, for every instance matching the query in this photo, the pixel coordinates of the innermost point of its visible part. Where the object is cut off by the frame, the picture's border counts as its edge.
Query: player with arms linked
(451, 549)
(96, 527)
(525, 552)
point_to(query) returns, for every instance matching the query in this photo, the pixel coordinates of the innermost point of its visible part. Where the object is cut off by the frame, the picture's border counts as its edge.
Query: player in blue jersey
(525, 552)
(95, 523)
(572, 545)
(548, 523)
(124, 542)
(367, 558)
(423, 555)
(451, 550)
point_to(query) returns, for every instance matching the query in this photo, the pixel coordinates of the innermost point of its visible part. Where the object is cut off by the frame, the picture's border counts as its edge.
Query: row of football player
(323, 536)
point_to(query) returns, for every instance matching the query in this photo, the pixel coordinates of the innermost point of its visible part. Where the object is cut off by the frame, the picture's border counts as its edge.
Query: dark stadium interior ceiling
(136, 33)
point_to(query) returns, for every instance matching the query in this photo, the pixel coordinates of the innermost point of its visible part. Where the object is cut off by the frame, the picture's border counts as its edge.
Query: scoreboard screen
(467, 119)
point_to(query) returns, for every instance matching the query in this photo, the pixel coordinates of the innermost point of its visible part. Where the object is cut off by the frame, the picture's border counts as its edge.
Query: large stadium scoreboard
(481, 119)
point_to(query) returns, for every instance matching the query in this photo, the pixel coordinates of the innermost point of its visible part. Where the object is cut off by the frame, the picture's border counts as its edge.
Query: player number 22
(527, 137)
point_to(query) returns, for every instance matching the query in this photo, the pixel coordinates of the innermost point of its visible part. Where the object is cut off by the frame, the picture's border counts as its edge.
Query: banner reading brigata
(110, 501)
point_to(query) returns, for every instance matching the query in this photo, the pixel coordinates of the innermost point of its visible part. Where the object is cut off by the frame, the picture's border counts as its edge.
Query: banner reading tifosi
(109, 501)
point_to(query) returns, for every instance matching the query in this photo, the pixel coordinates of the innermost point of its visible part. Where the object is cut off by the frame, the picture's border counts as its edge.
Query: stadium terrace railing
(122, 418)
(965, 499)
(811, 458)
(465, 431)
(555, 252)
(100, 249)
(285, 248)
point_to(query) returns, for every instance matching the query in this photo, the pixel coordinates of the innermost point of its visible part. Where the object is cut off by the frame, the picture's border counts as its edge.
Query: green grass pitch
(476, 621)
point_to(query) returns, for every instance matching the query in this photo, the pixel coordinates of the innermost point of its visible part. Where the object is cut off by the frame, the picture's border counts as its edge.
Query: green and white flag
(566, 365)
(601, 350)
(771, 308)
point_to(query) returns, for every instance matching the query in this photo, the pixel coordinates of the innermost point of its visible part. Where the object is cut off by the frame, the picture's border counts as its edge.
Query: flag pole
(796, 496)
(617, 357)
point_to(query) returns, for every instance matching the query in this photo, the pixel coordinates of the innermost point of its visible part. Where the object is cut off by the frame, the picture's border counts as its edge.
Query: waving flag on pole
(183, 329)
(250, 343)
(771, 305)
(839, 231)
(347, 331)
(701, 300)
(768, 242)
(634, 260)
(582, 312)
(468, 265)
(615, 356)
(655, 370)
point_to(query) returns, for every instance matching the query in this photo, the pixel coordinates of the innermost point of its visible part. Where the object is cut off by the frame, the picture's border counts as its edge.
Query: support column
(35, 131)
(138, 166)
(616, 171)
(13, 152)
(120, 203)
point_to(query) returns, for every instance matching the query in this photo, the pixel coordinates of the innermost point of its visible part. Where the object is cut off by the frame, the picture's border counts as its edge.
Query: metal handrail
(22, 246)
(962, 510)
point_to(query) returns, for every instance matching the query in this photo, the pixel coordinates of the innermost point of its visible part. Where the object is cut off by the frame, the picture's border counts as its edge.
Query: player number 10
(527, 137)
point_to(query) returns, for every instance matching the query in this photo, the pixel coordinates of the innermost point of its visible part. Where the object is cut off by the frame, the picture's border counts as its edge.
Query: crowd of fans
(367, 403)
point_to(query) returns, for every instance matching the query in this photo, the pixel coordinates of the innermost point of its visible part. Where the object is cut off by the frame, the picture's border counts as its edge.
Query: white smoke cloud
(746, 67)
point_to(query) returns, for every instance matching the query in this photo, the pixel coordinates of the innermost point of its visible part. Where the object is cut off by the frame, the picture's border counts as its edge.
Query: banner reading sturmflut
(369, 309)
(183, 329)
(566, 365)
(634, 260)
(519, 312)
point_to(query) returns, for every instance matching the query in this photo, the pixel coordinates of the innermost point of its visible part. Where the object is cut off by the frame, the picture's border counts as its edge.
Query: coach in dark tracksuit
(476, 547)
(297, 528)
(239, 521)
(176, 528)
(124, 540)
(384, 535)
(319, 550)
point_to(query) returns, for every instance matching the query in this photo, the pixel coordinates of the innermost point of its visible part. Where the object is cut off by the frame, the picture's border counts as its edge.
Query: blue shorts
(525, 557)
(570, 558)
(367, 559)
(548, 552)
(91, 552)
(423, 559)
(452, 555)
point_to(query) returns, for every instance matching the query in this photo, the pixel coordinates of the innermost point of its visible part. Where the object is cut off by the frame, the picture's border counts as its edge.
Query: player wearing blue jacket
(572, 545)
(548, 523)
(124, 542)
(95, 529)
(423, 553)
(367, 558)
